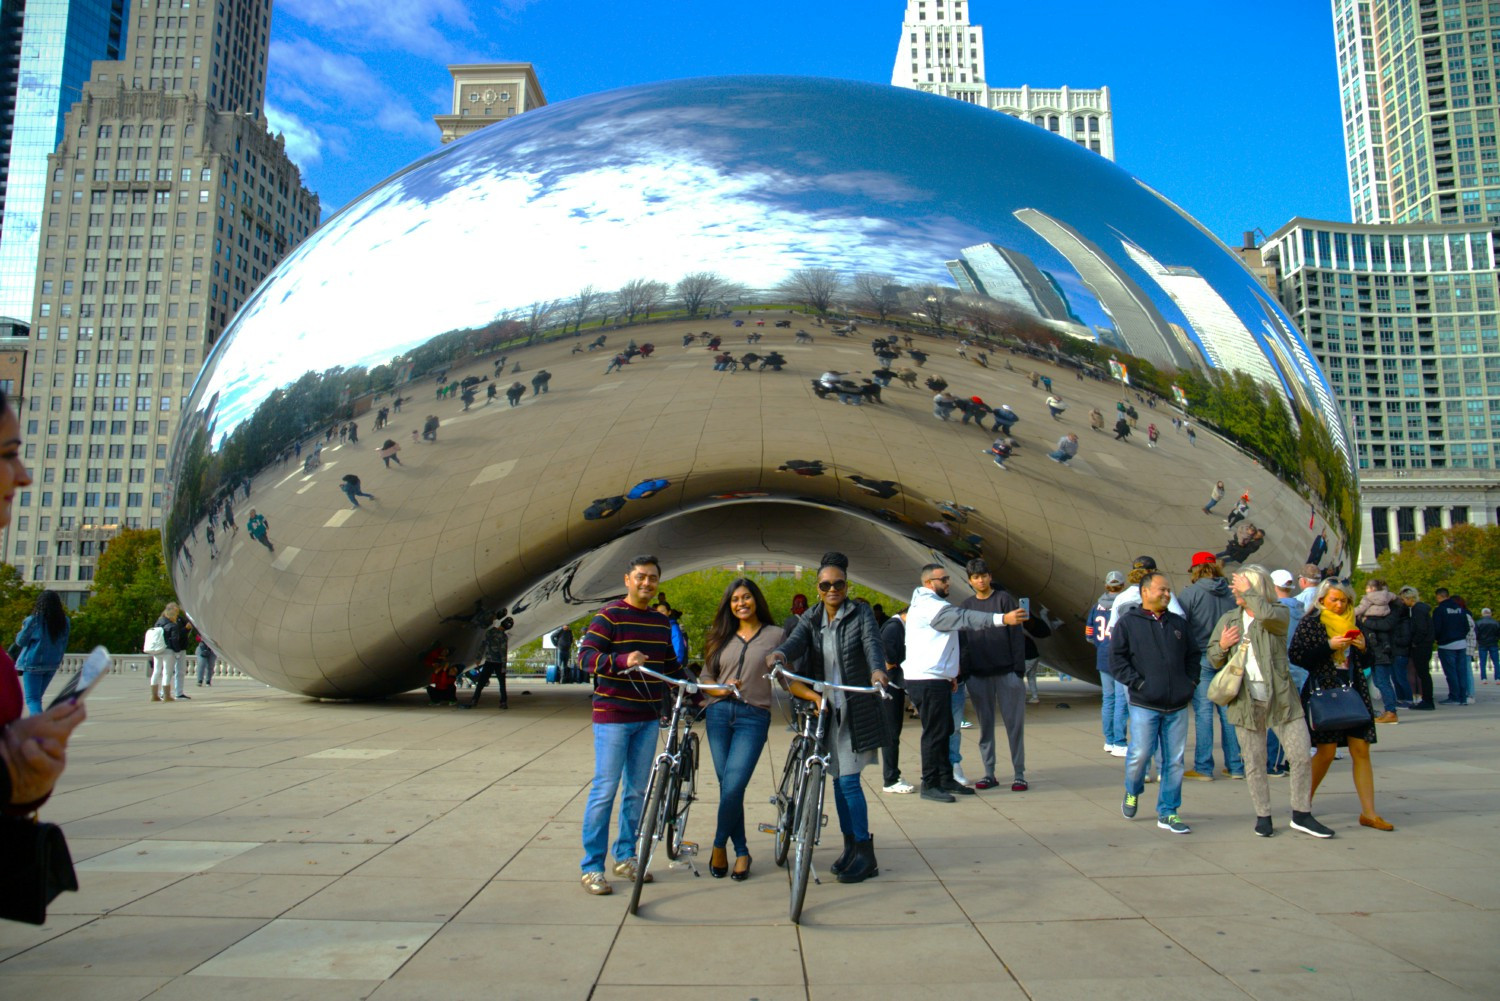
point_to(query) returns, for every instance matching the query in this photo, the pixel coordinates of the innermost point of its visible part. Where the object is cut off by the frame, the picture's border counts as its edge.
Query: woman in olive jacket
(841, 643)
(1252, 636)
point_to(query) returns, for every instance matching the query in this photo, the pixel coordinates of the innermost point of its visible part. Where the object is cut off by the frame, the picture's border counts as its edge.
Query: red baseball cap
(1201, 558)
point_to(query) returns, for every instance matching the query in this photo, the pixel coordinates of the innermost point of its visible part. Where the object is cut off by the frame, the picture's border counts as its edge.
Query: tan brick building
(487, 93)
(168, 201)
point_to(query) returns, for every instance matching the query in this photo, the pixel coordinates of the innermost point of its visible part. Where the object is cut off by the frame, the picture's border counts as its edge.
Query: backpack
(156, 640)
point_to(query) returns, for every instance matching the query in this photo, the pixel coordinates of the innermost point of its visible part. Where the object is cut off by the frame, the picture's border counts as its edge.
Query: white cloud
(303, 143)
(323, 83)
(423, 27)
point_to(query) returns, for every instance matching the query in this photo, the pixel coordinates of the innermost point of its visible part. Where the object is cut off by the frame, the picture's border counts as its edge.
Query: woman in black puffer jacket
(851, 655)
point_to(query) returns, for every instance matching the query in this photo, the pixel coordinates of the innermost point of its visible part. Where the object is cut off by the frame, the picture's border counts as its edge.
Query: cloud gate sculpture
(708, 319)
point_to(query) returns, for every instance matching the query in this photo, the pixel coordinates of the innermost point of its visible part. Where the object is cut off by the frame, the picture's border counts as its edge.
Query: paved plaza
(251, 844)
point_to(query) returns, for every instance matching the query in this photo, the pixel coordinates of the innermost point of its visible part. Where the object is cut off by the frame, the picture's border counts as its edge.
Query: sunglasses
(938, 580)
(832, 585)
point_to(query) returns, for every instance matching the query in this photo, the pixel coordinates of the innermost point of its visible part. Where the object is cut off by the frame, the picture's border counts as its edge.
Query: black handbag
(1337, 708)
(36, 867)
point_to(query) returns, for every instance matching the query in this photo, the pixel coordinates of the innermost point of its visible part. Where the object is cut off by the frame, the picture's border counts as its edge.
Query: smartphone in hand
(95, 666)
(1026, 606)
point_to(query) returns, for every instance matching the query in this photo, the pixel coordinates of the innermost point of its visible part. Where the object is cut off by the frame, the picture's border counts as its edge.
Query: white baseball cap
(1282, 578)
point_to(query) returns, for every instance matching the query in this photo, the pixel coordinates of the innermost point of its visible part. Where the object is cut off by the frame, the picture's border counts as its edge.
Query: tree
(131, 587)
(17, 598)
(878, 294)
(815, 288)
(1463, 559)
(637, 297)
(931, 300)
(536, 317)
(700, 288)
(581, 305)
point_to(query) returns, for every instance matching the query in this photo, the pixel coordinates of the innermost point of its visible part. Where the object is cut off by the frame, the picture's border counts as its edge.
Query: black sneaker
(1128, 807)
(937, 795)
(1263, 827)
(958, 789)
(1172, 822)
(1308, 824)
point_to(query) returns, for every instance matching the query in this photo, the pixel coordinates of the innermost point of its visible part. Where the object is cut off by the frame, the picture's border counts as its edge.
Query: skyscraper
(1420, 116)
(46, 49)
(1138, 324)
(942, 52)
(167, 202)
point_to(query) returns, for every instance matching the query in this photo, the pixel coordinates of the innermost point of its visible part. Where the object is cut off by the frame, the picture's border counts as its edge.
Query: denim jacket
(37, 648)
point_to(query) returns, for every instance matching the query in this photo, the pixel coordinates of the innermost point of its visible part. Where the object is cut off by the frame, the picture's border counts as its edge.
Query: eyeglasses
(832, 585)
(938, 580)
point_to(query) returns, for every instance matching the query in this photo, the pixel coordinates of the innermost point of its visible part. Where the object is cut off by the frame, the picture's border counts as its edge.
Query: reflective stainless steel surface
(694, 203)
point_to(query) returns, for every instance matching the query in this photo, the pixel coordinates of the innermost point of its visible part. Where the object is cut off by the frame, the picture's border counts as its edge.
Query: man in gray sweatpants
(994, 662)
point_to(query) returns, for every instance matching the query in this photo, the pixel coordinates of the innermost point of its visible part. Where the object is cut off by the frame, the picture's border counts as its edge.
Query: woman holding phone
(1332, 649)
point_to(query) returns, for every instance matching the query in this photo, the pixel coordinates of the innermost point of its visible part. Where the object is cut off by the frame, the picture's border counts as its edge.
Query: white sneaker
(1108, 748)
(900, 786)
(1119, 750)
(965, 725)
(1033, 701)
(958, 776)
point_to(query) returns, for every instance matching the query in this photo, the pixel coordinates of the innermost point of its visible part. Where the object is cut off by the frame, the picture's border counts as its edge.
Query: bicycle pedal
(766, 828)
(688, 848)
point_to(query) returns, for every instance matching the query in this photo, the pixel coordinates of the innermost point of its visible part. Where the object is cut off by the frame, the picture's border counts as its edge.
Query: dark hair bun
(835, 560)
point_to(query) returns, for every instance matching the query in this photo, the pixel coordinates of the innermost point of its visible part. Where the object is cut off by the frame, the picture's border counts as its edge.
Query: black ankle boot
(861, 863)
(842, 862)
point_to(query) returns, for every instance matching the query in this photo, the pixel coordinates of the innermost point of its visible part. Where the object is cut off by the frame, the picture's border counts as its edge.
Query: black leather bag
(1337, 708)
(35, 866)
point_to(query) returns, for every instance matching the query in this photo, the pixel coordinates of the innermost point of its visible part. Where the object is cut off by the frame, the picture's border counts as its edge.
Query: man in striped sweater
(624, 635)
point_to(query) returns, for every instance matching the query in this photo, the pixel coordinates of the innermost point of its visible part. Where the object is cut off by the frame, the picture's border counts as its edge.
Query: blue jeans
(621, 750)
(1203, 730)
(1147, 726)
(1115, 708)
(1489, 655)
(351, 492)
(1455, 664)
(1059, 455)
(1401, 679)
(1381, 675)
(853, 811)
(959, 697)
(34, 681)
(736, 736)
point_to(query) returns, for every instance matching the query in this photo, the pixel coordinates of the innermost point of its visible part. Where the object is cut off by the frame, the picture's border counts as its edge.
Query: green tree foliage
(130, 589)
(1465, 559)
(697, 596)
(17, 598)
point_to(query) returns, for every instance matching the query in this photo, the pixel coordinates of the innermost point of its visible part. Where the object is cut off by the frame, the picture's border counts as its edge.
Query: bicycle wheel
(809, 817)
(645, 837)
(684, 792)
(786, 798)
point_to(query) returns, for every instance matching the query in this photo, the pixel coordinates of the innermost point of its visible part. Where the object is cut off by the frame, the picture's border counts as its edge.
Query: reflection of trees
(815, 288)
(581, 306)
(536, 317)
(931, 300)
(701, 288)
(879, 294)
(637, 296)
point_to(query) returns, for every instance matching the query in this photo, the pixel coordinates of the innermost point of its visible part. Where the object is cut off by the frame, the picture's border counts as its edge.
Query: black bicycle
(799, 797)
(674, 784)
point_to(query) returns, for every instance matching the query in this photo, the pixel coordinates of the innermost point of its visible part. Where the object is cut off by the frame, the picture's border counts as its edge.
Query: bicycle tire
(645, 837)
(809, 817)
(786, 800)
(684, 793)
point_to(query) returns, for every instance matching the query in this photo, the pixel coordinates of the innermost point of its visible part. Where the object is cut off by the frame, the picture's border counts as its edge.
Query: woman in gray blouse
(734, 653)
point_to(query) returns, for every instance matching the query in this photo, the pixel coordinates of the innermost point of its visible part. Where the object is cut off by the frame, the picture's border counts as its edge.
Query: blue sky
(1230, 109)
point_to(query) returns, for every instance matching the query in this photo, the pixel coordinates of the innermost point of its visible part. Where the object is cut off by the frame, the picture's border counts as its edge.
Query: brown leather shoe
(1377, 822)
(1389, 717)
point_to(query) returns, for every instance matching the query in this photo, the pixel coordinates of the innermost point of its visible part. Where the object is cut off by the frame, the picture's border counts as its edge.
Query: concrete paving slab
(252, 834)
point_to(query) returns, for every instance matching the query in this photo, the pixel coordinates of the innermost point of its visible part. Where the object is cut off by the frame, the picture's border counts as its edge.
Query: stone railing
(124, 663)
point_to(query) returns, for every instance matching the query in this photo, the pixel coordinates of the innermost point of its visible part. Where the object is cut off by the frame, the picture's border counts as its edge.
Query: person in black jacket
(1154, 657)
(893, 638)
(858, 728)
(1378, 620)
(994, 662)
(1418, 650)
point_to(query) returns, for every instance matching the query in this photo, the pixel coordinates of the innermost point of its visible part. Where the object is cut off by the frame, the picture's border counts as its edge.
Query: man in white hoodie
(931, 670)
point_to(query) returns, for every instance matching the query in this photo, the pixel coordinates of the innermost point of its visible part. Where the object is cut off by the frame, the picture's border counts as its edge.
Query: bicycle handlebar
(692, 687)
(819, 686)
